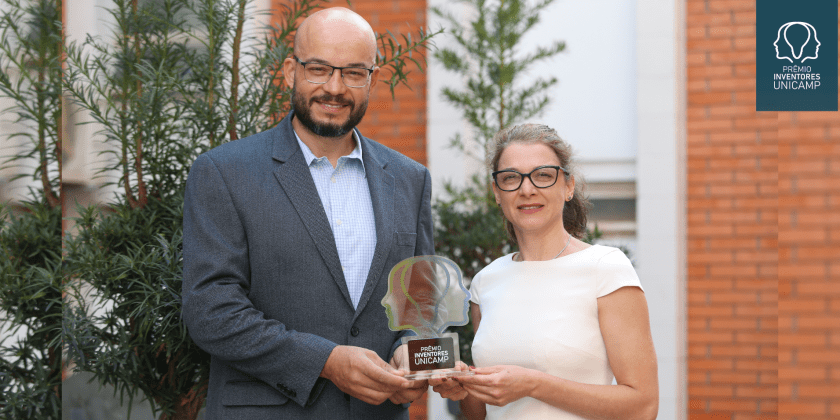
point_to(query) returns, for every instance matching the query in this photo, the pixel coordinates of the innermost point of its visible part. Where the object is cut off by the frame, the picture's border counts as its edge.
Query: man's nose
(335, 85)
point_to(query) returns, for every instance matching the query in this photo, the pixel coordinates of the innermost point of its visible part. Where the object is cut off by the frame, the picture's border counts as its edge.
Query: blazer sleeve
(216, 309)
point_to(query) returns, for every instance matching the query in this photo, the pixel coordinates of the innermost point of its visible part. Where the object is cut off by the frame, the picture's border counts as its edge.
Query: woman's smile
(530, 208)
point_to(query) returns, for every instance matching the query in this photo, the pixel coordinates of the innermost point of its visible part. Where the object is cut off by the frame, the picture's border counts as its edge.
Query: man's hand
(413, 389)
(362, 374)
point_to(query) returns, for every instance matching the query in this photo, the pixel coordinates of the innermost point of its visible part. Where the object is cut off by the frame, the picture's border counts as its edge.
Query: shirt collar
(309, 157)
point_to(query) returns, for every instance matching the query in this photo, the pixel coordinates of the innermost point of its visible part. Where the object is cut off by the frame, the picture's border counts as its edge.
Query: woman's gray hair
(575, 210)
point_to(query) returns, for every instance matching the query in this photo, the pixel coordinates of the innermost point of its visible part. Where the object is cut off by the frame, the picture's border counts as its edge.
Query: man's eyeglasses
(319, 73)
(541, 177)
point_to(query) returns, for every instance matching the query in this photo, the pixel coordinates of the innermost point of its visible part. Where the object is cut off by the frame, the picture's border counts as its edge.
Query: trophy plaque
(426, 294)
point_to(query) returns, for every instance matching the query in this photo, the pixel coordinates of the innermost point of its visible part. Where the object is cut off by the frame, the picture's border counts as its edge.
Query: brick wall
(764, 242)
(809, 265)
(398, 122)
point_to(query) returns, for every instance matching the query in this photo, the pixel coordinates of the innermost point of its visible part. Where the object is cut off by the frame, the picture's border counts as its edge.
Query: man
(289, 236)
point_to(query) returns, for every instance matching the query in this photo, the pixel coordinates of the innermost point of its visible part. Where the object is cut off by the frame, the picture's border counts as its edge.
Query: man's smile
(330, 107)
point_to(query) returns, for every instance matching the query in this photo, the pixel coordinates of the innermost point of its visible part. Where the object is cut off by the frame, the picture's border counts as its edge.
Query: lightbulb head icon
(788, 51)
(426, 294)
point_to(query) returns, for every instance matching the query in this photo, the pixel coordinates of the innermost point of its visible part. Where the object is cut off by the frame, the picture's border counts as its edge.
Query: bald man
(289, 236)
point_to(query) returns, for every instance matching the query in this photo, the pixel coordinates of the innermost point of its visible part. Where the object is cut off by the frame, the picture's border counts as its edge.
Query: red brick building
(763, 236)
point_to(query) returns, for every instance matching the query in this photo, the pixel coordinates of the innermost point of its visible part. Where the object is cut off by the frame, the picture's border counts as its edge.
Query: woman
(556, 321)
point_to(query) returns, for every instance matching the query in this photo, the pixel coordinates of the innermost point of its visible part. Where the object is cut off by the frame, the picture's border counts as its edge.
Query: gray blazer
(263, 289)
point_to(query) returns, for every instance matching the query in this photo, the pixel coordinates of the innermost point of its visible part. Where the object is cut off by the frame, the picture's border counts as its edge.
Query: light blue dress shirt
(345, 195)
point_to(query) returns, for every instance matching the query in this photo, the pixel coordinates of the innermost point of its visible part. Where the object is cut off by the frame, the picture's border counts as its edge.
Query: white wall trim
(661, 186)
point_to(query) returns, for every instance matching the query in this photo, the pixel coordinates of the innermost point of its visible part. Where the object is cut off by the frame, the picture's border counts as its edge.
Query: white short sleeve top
(543, 315)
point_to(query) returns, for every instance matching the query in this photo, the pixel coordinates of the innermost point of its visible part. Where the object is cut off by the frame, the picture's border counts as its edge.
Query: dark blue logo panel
(796, 55)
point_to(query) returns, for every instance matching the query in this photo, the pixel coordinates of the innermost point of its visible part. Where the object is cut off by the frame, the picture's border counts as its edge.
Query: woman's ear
(570, 186)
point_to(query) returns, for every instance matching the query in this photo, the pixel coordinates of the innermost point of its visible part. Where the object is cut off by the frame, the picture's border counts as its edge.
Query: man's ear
(289, 66)
(374, 77)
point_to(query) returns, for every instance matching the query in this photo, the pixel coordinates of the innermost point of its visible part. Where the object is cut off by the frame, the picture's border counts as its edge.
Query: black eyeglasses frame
(528, 175)
(334, 68)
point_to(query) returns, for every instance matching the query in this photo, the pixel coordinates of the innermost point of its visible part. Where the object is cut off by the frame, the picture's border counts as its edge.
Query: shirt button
(339, 222)
(333, 180)
(354, 331)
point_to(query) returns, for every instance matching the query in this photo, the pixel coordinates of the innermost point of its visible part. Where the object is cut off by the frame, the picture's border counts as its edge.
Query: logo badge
(796, 56)
(431, 353)
(790, 53)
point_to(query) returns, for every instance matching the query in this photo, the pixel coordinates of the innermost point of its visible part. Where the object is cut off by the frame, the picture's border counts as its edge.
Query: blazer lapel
(381, 185)
(293, 175)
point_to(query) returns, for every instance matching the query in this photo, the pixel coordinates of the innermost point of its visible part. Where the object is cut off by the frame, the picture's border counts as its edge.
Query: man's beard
(304, 115)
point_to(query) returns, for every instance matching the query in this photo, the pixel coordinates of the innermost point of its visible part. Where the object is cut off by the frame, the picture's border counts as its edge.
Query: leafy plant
(31, 290)
(30, 231)
(488, 56)
(128, 331)
(31, 76)
(167, 86)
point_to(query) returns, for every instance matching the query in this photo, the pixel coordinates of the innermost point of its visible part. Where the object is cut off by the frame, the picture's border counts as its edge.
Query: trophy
(426, 294)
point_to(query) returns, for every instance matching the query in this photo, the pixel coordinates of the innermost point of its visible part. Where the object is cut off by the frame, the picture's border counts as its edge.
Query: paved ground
(83, 400)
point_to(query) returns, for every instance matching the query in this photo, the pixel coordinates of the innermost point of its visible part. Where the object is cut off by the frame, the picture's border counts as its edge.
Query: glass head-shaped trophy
(426, 294)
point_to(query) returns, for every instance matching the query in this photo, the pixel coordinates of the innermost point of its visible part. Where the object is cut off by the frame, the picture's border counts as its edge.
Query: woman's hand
(449, 387)
(499, 385)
